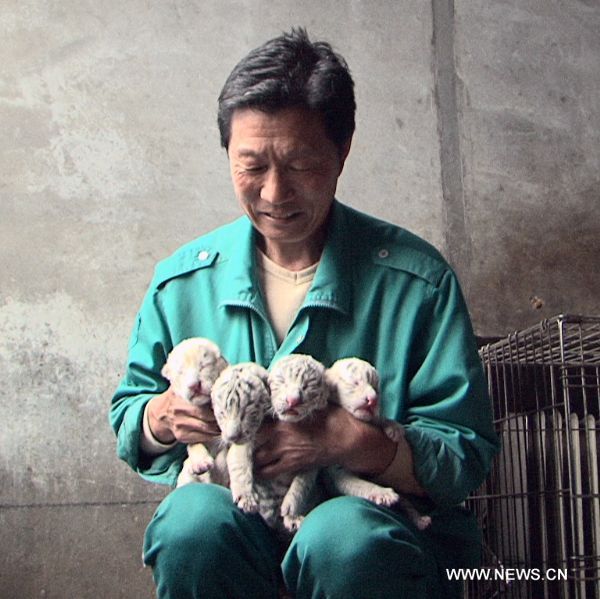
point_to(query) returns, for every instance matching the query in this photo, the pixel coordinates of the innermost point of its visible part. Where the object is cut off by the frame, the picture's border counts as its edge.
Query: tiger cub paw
(384, 496)
(200, 465)
(393, 430)
(292, 523)
(247, 502)
(423, 522)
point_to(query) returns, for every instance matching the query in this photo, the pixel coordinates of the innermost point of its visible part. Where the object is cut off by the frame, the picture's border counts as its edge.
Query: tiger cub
(354, 385)
(241, 400)
(192, 367)
(298, 389)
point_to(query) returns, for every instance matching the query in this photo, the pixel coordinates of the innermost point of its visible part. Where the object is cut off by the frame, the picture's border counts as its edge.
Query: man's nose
(276, 186)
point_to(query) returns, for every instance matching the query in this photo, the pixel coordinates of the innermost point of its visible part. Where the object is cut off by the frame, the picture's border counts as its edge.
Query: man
(302, 273)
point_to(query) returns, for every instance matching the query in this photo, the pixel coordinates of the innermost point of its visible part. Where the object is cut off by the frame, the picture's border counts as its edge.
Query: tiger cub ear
(224, 376)
(172, 365)
(222, 363)
(258, 370)
(166, 372)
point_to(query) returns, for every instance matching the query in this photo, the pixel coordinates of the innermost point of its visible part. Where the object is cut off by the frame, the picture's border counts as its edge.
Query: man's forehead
(290, 132)
(283, 149)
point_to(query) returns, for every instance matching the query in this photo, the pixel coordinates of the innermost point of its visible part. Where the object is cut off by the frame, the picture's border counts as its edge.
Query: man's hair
(291, 71)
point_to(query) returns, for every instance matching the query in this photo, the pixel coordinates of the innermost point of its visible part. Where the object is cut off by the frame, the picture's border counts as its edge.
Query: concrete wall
(528, 109)
(478, 128)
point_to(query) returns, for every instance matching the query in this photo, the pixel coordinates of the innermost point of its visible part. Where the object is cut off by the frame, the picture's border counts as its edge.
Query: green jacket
(379, 293)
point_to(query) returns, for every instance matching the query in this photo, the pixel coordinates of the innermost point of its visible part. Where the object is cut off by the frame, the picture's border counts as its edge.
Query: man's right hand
(172, 418)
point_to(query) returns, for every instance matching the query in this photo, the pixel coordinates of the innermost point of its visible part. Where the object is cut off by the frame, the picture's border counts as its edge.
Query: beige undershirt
(284, 291)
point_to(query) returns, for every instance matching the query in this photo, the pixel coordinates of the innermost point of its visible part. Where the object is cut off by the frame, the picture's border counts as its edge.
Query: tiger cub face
(354, 385)
(240, 400)
(192, 367)
(298, 387)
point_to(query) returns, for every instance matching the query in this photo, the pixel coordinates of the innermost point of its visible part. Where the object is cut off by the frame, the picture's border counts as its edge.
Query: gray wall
(478, 128)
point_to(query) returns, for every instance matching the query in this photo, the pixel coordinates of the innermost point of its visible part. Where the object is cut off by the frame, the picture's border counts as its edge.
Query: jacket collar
(331, 285)
(239, 283)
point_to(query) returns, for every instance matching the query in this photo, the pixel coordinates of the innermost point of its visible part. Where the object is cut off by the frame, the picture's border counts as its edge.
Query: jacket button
(203, 255)
(383, 253)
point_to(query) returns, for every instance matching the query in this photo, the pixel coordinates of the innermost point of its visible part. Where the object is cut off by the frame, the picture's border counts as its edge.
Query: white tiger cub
(192, 367)
(298, 390)
(354, 385)
(240, 400)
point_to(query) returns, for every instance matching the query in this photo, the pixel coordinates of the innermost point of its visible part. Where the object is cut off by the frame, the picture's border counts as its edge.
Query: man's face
(284, 170)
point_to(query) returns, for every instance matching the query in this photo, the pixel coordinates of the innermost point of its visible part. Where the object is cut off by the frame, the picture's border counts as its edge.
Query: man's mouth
(281, 216)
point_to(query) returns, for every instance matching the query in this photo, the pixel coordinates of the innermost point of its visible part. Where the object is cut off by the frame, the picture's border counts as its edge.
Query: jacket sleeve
(149, 346)
(449, 418)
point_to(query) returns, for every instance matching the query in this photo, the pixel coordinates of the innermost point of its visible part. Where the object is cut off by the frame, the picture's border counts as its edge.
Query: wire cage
(540, 507)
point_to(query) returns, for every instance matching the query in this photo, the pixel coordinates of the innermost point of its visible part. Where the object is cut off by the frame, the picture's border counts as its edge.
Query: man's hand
(173, 418)
(332, 436)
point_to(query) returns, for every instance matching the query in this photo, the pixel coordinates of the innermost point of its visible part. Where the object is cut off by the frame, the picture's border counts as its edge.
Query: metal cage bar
(540, 506)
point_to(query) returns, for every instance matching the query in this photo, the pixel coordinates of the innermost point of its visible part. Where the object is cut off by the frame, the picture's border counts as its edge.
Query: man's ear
(344, 151)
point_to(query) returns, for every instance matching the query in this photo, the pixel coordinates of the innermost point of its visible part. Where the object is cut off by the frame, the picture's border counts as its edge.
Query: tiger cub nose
(372, 401)
(293, 400)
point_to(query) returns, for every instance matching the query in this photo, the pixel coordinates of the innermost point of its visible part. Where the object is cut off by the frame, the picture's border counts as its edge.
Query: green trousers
(200, 545)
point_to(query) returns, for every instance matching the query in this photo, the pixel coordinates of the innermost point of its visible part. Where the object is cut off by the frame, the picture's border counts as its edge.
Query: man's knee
(353, 528)
(188, 518)
(348, 543)
(200, 544)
